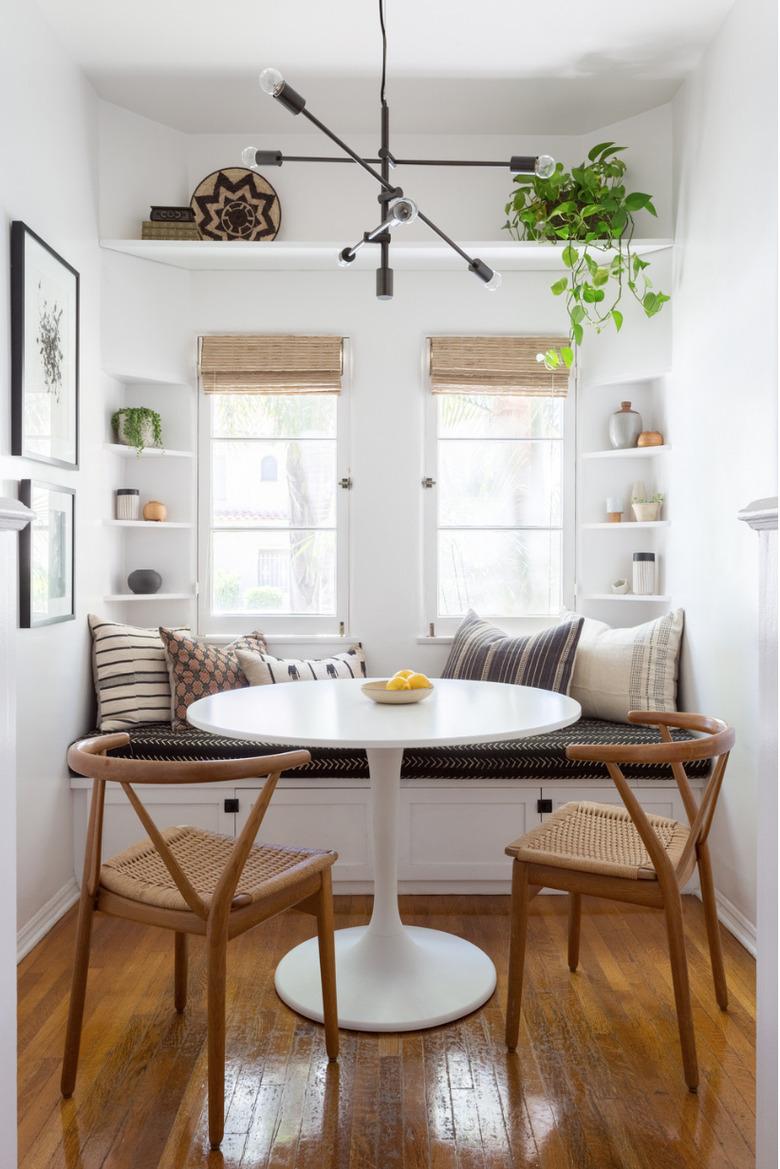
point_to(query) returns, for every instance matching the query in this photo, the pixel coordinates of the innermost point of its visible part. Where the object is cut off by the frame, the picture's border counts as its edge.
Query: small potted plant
(137, 426)
(647, 509)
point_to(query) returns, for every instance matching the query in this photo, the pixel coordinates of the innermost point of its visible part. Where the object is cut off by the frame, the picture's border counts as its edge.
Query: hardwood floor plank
(596, 1082)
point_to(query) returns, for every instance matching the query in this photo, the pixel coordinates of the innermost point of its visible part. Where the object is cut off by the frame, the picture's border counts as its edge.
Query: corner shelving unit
(166, 474)
(602, 472)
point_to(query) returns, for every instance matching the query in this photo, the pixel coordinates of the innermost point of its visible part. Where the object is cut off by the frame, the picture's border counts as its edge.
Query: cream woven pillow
(617, 670)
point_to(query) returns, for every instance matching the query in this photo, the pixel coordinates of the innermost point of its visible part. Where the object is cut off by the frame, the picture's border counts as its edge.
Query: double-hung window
(498, 508)
(273, 516)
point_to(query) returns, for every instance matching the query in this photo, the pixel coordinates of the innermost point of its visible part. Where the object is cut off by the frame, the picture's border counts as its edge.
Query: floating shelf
(629, 525)
(295, 256)
(651, 376)
(636, 452)
(653, 598)
(141, 379)
(150, 597)
(146, 524)
(119, 448)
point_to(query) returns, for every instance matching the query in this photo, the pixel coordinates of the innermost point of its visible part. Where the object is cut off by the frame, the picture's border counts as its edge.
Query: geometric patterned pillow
(264, 670)
(618, 670)
(482, 652)
(197, 668)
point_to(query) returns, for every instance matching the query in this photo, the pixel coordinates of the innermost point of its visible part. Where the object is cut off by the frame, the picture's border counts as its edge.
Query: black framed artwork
(44, 351)
(46, 555)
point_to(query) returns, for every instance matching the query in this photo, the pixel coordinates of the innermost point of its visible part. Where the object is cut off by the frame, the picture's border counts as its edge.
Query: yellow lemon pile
(408, 680)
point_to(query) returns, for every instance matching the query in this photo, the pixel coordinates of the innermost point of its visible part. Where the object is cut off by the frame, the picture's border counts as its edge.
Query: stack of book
(170, 223)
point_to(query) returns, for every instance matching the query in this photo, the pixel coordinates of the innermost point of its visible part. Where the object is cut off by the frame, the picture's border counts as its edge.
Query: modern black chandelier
(396, 208)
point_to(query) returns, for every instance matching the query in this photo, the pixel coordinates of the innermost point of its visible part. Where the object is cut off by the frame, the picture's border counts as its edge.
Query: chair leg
(78, 993)
(519, 930)
(180, 971)
(327, 949)
(575, 917)
(713, 929)
(682, 993)
(217, 978)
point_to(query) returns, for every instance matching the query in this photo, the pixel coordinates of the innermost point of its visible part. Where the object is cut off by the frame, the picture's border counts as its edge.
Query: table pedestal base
(401, 981)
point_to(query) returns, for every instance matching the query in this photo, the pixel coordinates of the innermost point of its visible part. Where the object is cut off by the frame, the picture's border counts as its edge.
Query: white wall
(721, 405)
(49, 180)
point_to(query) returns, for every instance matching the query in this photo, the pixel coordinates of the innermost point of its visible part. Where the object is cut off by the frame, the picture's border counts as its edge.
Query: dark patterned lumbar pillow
(262, 669)
(484, 653)
(197, 668)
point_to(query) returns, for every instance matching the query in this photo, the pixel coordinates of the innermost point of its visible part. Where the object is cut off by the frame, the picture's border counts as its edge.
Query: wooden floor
(596, 1082)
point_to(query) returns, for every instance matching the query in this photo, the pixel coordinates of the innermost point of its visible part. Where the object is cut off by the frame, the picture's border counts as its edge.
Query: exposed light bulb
(402, 210)
(249, 156)
(346, 257)
(494, 282)
(271, 82)
(544, 166)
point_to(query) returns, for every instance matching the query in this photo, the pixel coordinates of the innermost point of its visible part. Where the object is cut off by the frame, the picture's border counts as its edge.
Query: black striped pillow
(484, 653)
(130, 671)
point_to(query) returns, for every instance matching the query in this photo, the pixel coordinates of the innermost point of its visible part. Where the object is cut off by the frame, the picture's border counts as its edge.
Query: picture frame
(44, 351)
(47, 555)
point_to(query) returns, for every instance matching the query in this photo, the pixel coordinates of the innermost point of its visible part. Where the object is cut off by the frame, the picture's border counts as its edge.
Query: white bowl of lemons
(404, 687)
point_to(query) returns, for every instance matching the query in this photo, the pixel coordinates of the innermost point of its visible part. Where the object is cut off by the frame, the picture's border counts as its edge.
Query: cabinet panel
(202, 809)
(337, 819)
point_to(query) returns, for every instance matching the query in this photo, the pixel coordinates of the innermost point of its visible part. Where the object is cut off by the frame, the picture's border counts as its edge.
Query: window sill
(287, 638)
(445, 639)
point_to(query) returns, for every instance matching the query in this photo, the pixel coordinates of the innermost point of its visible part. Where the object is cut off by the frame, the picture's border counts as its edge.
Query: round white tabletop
(389, 977)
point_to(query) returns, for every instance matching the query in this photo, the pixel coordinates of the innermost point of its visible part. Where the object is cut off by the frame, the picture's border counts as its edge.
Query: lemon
(403, 673)
(419, 682)
(397, 683)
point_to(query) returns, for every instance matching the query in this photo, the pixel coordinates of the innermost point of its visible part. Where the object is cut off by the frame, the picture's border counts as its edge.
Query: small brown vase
(155, 511)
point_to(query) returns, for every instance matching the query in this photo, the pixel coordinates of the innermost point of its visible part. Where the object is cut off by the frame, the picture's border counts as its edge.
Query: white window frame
(278, 625)
(444, 627)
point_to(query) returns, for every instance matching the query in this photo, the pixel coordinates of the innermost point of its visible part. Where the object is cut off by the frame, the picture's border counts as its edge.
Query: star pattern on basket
(236, 204)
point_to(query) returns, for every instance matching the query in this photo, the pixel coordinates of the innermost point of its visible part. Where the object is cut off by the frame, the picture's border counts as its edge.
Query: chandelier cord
(384, 51)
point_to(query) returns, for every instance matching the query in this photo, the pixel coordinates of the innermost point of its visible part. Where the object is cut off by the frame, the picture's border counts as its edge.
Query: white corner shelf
(148, 525)
(652, 598)
(149, 597)
(301, 256)
(629, 525)
(119, 448)
(635, 452)
(651, 375)
(135, 378)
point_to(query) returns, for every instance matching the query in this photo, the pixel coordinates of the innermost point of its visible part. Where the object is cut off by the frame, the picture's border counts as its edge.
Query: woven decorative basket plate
(236, 204)
(377, 693)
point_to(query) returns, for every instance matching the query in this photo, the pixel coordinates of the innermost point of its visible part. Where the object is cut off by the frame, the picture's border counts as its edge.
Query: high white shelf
(300, 256)
(629, 525)
(146, 525)
(123, 597)
(149, 452)
(634, 452)
(652, 598)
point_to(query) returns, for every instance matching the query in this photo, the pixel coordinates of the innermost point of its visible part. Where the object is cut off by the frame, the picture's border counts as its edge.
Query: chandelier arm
(503, 165)
(387, 186)
(443, 235)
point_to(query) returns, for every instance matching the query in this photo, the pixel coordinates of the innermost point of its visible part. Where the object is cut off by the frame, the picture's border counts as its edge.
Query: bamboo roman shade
(495, 365)
(270, 364)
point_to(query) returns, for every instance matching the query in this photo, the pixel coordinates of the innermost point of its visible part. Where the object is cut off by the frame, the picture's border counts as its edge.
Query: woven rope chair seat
(139, 872)
(598, 838)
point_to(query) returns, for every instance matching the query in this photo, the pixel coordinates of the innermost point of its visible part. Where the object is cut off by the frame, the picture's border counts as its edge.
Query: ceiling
(499, 66)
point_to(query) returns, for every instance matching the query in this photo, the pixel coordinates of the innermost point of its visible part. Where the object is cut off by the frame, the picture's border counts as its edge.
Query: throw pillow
(483, 652)
(262, 669)
(197, 668)
(130, 674)
(617, 670)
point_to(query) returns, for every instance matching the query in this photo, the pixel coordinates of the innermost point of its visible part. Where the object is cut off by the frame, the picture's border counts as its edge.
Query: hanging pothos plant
(590, 208)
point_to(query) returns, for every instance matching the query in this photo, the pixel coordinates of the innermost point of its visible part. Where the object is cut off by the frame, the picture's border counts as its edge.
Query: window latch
(428, 482)
(346, 483)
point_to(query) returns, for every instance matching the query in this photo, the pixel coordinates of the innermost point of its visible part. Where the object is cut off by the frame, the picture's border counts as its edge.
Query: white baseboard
(736, 923)
(46, 917)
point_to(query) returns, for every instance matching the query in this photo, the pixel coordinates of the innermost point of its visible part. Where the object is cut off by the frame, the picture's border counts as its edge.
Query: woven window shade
(495, 365)
(270, 364)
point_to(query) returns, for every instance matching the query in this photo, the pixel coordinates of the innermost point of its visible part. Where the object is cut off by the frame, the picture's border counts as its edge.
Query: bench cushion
(539, 757)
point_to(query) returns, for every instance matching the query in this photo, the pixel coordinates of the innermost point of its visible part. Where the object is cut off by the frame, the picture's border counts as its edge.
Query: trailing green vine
(591, 210)
(136, 421)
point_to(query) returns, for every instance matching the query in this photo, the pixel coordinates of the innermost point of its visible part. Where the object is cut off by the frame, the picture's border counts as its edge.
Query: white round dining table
(389, 977)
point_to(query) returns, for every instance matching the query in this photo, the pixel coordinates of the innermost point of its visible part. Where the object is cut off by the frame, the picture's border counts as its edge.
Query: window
(498, 517)
(273, 517)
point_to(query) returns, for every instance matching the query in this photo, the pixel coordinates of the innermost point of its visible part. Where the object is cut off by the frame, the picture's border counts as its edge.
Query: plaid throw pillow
(484, 653)
(197, 668)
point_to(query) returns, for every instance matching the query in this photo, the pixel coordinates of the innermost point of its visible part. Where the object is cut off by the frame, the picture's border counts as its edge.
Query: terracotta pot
(155, 511)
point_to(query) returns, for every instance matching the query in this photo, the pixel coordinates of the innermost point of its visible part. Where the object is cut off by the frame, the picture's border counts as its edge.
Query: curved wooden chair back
(89, 758)
(714, 741)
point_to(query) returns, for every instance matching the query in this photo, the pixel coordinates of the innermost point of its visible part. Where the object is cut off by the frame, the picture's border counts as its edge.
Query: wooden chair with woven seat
(196, 882)
(627, 855)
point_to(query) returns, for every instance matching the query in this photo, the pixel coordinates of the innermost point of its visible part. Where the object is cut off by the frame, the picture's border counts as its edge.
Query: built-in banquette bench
(459, 805)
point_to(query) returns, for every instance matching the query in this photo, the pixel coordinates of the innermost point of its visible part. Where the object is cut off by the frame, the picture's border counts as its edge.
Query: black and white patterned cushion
(537, 758)
(264, 669)
(130, 673)
(483, 653)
